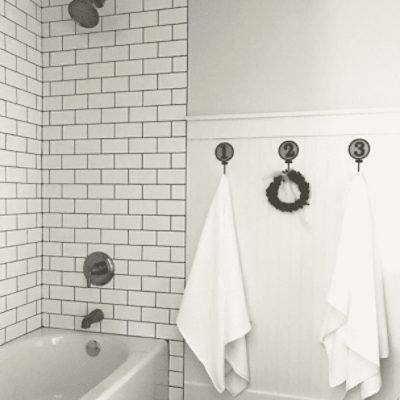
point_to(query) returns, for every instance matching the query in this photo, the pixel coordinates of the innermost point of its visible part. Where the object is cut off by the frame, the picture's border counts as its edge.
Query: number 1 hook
(224, 153)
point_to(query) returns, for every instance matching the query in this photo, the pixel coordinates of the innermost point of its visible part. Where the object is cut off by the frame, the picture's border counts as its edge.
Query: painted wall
(287, 259)
(283, 55)
(114, 159)
(20, 163)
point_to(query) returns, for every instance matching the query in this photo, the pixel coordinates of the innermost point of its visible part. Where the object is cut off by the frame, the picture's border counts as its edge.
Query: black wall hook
(224, 153)
(359, 149)
(288, 151)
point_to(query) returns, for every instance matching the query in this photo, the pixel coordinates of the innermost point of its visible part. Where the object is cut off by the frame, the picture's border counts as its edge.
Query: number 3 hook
(359, 149)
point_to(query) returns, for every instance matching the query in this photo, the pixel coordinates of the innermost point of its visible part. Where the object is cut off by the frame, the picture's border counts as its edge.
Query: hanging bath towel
(213, 317)
(354, 332)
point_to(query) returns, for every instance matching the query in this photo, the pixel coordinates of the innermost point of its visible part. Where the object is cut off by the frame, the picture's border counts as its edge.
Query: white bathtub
(53, 364)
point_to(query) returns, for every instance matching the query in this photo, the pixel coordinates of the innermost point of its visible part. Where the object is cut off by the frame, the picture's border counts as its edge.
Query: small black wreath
(300, 181)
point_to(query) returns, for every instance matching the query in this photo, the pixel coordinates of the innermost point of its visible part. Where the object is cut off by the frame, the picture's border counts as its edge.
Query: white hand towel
(213, 317)
(355, 333)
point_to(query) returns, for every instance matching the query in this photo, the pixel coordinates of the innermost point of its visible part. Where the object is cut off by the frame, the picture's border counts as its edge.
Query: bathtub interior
(45, 366)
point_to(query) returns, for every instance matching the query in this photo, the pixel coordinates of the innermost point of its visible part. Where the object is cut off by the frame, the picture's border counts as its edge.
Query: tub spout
(95, 316)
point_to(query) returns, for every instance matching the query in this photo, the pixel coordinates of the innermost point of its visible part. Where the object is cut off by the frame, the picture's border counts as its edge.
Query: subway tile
(157, 315)
(127, 313)
(114, 327)
(104, 69)
(101, 161)
(101, 39)
(157, 65)
(115, 115)
(88, 56)
(73, 42)
(131, 129)
(144, 50)
(127, 282)
(129, 36)
(157, 97)
(128, 222)
(173, 48)
(173, 16)
(93, 150)
(143, 114)
(141, 329)
(62, 58)
(129, 99)
(158, 33)
(114, 176)
(87, 294)
(142, 19)
(124, 7)
(71, 72)
(157, 4)
(118, 84)
(102, 100)
(114, 206)
(115, 53)
(115, 22)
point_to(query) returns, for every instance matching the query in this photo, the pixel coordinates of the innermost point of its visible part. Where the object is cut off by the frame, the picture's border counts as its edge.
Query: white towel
(213, 317)
(355, 333)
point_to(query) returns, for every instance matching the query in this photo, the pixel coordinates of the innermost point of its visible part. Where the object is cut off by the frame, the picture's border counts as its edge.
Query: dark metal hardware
(98, 269)
(224, 153)
(359, 149)
(93, 348)
(288, 151)
(95, 316)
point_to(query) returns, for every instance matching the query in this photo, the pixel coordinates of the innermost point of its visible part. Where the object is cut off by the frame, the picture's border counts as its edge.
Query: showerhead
(84, 12)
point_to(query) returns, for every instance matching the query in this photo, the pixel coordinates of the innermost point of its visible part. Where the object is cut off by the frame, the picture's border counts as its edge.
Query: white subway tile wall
(20, 167)
(114, 167)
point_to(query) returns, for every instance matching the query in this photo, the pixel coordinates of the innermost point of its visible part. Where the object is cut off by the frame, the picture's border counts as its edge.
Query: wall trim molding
(201, 391)
(360, 122)
(292, 114)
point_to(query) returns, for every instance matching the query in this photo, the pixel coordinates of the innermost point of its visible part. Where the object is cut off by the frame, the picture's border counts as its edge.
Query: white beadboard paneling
(288, 258)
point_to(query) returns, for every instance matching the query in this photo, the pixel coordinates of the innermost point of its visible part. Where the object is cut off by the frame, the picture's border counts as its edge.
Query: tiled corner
(114, 167)
(20, 168)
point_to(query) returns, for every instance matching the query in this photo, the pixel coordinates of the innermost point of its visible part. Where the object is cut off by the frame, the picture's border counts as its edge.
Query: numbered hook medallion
(359, 149)
(224, 153)
(288, 151)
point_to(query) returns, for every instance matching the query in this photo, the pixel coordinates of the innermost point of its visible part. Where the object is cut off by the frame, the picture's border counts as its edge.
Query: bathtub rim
(118, 377)
(48, 332)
